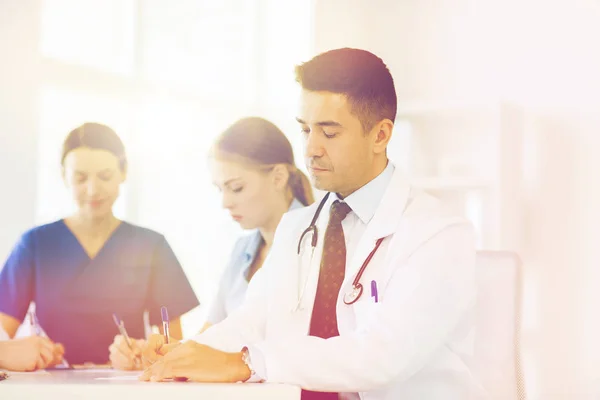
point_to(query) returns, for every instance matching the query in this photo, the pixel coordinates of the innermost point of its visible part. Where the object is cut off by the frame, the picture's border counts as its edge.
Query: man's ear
(382, 133)
(281, 176)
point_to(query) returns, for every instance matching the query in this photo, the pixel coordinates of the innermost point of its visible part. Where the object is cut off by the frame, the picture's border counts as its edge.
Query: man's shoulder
(424, 206)
(427, 216)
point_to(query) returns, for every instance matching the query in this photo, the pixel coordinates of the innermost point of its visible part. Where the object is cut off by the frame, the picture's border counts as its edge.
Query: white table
(113, 385)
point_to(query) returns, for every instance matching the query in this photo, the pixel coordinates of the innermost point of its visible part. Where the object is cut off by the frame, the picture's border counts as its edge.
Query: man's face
(338, 154)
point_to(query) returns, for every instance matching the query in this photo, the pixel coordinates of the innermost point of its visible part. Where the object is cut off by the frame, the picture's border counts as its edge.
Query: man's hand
(124, 358)
(155, 348)
(197, 362)
(29, 354)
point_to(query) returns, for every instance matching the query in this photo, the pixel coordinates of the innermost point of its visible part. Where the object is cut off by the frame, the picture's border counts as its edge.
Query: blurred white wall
(18, 123)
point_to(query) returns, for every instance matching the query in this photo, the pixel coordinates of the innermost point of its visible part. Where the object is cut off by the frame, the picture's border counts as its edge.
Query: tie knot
(339, 210)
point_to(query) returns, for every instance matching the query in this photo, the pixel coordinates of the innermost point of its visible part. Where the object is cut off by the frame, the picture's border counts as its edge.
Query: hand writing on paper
(155, 348)
(197, 362)
(30, 353)
(124, 358)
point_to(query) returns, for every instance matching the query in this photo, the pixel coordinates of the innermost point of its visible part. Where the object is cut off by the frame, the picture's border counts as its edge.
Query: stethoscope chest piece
(352, 296)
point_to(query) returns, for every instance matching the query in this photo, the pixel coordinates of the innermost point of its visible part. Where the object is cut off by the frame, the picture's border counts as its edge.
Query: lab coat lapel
(385, 221)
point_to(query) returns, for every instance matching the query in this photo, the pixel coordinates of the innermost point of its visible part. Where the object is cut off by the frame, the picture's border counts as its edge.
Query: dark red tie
(331, 275)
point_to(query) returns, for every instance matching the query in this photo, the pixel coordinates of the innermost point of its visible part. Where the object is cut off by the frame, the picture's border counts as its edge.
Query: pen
(121, 326)
(165, 320)
(374, 291)
(36, 329)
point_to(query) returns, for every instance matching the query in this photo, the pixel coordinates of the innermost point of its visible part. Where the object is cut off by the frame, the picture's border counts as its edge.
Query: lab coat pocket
(366, 312)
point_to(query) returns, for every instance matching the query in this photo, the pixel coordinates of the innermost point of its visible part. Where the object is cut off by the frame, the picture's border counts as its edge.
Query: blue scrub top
(75, 296)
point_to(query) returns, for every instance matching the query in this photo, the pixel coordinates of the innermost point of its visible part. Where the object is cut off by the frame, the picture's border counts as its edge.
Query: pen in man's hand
(165, 320)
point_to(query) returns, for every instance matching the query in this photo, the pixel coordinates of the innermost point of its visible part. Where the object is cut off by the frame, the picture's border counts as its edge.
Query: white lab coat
(415, 343)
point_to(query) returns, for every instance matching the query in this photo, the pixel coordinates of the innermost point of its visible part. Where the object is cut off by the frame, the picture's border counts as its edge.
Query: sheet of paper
(118, 378)
(37, 372)
(103, 370)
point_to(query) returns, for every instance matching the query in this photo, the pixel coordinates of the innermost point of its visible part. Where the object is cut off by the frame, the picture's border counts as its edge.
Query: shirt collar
(364, 201)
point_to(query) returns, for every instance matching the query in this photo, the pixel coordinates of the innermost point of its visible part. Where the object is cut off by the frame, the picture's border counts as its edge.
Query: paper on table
(119, 378)
(104, 370)
(36, 372)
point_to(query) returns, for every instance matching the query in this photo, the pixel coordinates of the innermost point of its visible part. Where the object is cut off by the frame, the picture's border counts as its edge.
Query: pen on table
(374, 291)
(121, 326)
(165, 321)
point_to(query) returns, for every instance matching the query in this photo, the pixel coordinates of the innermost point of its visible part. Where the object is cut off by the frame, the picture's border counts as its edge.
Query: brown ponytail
(301, 188)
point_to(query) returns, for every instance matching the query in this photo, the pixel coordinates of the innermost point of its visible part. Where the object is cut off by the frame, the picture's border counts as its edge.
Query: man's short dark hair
(360, 75)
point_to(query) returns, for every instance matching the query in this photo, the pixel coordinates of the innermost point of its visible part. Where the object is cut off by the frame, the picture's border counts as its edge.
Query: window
(207, 47)
(97, 34)
(168, 77)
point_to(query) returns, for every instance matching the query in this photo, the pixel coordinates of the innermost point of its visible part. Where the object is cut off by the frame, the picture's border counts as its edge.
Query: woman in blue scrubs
(81, 269)
(252, 165)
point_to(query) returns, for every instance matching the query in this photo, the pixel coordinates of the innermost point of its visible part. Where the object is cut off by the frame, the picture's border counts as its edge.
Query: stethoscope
(354, 294)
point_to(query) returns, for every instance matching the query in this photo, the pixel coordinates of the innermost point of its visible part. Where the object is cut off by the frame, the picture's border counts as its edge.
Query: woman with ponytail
(252, 165)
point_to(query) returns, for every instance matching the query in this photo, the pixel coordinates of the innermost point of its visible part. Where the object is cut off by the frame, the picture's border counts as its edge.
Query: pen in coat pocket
(374, 292)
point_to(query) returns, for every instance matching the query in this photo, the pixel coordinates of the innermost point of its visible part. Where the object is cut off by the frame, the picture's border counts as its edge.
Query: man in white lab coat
(377, 298)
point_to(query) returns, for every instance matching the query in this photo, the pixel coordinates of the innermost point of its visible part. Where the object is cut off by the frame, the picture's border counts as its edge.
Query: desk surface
(107, 384)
